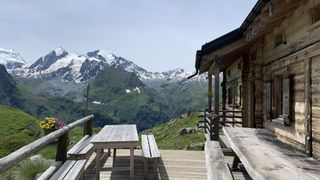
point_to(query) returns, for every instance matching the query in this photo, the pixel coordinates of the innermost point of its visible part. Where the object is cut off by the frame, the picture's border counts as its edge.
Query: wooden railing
(230, 114)
(62, 145)
(212, 121)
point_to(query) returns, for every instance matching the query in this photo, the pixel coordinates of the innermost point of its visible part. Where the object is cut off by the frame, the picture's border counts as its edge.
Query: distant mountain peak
(11, 59)
(78, 68)
(60, 51)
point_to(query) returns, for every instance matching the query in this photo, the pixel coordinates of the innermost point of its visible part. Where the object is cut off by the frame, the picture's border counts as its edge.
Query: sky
(158, 35)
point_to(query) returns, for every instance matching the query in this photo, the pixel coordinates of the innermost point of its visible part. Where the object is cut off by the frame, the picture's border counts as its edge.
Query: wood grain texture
(50, 171)
(82, 149)
(173, 165)
(265, 157)
(153, 147)
(117, 134)
(217, 168)
(315, 109)
(70, 170)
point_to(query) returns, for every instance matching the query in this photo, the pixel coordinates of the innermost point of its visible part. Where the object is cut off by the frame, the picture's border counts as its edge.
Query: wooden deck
(174, 164)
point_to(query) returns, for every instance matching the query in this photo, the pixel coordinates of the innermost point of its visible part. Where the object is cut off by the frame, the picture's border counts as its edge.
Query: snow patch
(97, 102)
(59, 51)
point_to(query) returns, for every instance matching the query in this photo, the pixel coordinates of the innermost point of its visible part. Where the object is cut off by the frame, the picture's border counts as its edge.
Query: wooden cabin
(271, 71)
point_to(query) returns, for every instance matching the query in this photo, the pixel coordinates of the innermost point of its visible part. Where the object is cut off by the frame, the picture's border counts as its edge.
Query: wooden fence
(212, 121)
(62, 145)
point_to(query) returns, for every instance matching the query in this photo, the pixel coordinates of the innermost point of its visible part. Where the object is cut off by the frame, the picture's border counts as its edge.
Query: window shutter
(286, 98)
(268, 99)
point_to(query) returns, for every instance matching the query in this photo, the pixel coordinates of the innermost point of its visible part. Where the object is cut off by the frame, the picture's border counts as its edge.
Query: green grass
(167, 135)
(17, 129)
(26, 170)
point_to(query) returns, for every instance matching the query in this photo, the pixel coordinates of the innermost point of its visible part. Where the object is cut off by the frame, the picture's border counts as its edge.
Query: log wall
(302, 41)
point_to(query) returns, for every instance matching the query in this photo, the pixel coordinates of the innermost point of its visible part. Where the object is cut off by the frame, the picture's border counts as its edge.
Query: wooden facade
(271, 70)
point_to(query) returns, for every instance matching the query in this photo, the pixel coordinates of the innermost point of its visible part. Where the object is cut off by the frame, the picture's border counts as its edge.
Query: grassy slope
(168, 137)
(16, 129)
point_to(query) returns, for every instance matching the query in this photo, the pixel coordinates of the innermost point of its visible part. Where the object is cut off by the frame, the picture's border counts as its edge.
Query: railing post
(205, 121)
(62, 147)
(88, 126)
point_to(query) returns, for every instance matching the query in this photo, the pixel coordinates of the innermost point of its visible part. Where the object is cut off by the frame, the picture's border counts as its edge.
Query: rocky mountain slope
(69, 67)
(11, 59)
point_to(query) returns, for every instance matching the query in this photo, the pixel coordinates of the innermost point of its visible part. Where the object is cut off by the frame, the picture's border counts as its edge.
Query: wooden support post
(209, 92)
(216, 120)
(62, 147)
(307, 91)
(88, 126)
(224, 97)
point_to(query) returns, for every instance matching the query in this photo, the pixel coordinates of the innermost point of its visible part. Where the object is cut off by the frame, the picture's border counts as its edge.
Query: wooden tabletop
(117, 134)
(266, 157)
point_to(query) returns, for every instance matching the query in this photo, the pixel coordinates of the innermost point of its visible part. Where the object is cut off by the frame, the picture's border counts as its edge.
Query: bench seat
(82, 150)
(151, 152)
(70, 170)
(217, 168)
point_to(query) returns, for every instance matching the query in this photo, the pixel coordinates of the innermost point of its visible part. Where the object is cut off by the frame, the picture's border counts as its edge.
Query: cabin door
(315, 103)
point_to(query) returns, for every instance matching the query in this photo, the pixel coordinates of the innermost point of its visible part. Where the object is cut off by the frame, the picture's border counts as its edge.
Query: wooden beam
(217, 168)
(209, 92)
(224, 96)
(307, 91)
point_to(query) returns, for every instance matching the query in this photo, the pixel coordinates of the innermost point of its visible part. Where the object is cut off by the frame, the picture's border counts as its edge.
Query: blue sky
(158, 35)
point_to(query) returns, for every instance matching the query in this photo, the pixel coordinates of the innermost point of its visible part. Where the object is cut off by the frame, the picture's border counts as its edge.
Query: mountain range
(120, 91)
(79, 68)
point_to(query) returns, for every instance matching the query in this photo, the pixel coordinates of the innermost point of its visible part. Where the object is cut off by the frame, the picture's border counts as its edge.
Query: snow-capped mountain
(11, 59)
(59, 64)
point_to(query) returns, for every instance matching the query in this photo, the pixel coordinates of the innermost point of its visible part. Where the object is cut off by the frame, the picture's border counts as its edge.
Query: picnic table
(265, 157)
(114, 137)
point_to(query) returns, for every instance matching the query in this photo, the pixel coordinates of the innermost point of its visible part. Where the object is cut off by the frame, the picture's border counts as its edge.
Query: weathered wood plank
(217, 168)
(153, 147)
(265, 157)
(77, 170)
(117, 133)
(145, 146)
(82, 149)
(63, 170)
(50, 171)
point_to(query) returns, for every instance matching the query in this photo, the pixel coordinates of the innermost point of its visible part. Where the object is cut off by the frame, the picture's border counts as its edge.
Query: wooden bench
(264, 156)
(150, 151)
(70, 170)
(82, 150)
(217, 168)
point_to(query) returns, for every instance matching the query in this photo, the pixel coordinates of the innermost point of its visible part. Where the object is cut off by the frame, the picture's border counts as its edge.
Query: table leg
(98, 154)
(109, 152)
(131, 163)
(114, 156)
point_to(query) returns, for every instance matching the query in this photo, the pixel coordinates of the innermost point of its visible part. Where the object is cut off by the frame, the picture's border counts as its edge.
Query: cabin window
(279, 39)
(315, 14)
(278, 98)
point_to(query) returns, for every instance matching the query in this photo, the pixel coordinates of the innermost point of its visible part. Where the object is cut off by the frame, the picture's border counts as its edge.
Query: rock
(196, 146)
(37, 158)
(184, 131)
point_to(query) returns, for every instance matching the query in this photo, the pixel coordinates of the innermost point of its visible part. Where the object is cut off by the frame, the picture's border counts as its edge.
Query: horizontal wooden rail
(27, 150)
